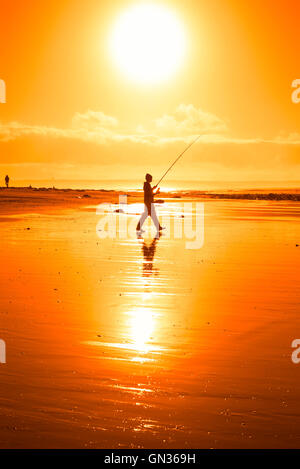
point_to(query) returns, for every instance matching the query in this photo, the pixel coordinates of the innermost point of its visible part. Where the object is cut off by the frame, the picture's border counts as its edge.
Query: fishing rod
(178, 157)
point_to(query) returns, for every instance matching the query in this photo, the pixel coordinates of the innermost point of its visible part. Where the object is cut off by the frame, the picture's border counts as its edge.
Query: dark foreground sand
(121, 343)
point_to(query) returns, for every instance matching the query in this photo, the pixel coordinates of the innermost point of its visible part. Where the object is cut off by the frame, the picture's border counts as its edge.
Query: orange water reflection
(186, 348)
(138, 312)
(143, 319)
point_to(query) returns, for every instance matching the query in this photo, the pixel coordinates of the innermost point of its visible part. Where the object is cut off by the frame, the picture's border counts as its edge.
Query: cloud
(184, 125)
(14, 130)
(187, 120)
(290, 139)
(94, 120)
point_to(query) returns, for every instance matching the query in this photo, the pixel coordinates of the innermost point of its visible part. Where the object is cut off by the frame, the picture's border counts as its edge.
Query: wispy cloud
(182, 126)
(188, 120)
(95, 120)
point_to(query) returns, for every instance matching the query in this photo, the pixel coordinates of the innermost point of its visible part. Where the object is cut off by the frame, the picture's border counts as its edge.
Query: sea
(166, 185)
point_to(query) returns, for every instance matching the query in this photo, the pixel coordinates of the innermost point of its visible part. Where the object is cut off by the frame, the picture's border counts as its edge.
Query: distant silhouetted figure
(6, 180)
(149, 205)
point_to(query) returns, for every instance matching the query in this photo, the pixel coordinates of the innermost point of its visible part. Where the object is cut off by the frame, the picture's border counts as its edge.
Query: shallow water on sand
(143, 343)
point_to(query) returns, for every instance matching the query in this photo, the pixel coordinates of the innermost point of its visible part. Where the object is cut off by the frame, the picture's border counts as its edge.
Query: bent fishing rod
(178, 157)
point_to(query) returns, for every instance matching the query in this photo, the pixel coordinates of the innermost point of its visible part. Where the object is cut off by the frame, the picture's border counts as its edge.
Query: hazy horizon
(171, 184)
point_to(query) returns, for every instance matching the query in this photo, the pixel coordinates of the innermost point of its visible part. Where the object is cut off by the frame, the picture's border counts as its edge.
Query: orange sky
(71, 114)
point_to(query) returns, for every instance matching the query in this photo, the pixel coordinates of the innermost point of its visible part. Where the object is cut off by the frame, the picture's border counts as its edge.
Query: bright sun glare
(148, 43)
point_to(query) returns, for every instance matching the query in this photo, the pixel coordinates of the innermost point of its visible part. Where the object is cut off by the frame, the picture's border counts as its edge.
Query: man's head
(148, 177)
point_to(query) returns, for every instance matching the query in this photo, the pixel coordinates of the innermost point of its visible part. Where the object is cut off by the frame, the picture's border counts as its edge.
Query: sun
(148, 43)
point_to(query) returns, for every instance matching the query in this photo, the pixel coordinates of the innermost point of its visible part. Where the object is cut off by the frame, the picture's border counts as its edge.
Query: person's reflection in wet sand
(149, 253)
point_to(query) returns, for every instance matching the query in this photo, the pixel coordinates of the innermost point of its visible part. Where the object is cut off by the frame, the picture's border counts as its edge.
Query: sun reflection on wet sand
(141, 321)
(143, 343)
(142, 325)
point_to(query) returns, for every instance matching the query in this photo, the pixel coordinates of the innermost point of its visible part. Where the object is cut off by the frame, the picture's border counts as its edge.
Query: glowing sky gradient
(70, 112)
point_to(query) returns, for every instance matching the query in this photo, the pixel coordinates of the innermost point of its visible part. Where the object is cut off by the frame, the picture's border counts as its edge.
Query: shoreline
(24, 200)
(251, 194)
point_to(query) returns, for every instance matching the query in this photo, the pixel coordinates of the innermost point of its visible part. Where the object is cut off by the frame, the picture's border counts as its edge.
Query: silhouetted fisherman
(6, 180)
(149, 205)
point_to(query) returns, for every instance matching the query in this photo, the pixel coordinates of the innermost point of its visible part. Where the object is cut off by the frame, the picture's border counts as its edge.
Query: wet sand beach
(140, 342)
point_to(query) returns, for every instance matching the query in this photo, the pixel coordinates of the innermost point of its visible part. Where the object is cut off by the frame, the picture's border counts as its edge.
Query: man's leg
(154, 217)
(142, 219)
